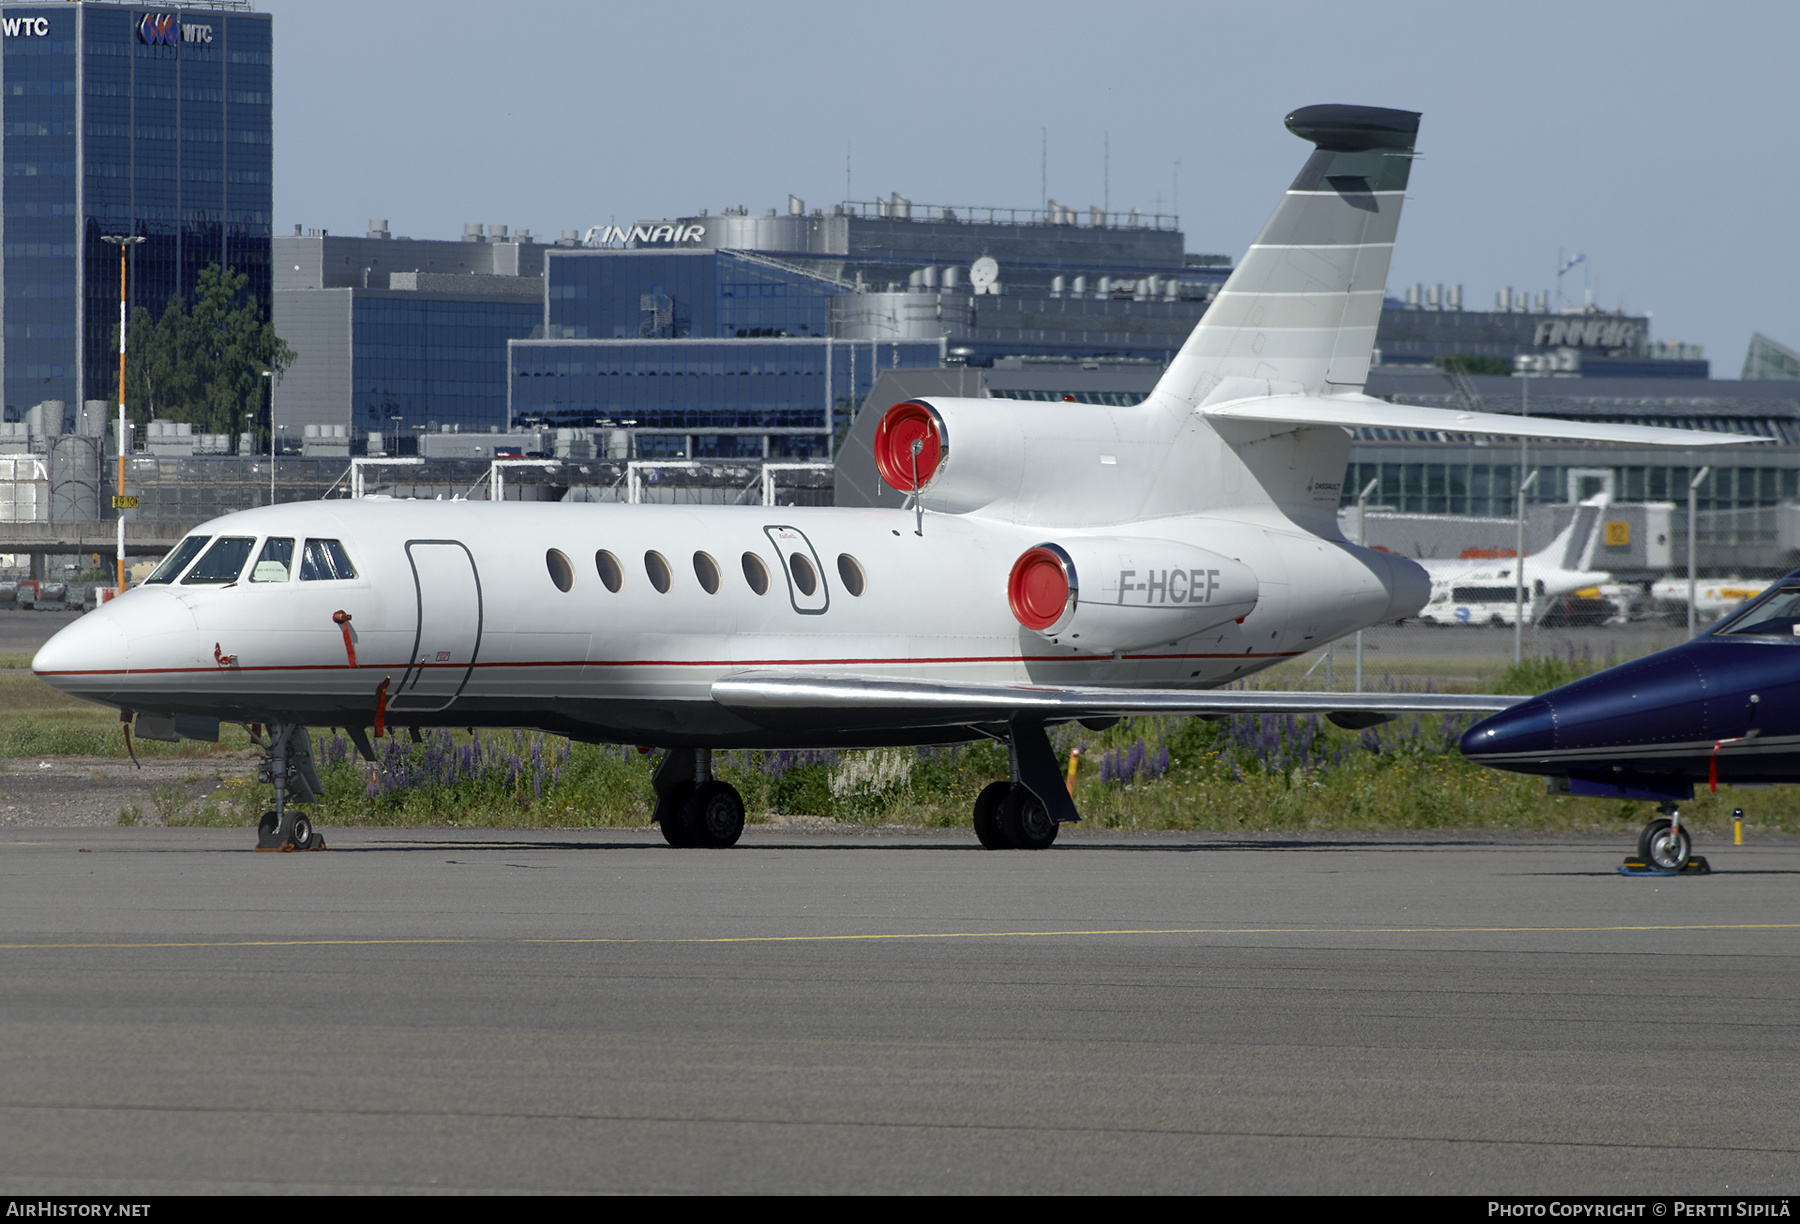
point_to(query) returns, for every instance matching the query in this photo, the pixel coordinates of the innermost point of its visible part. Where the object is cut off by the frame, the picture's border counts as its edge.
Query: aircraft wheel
(266, 831)
(1026, 821)
(670, 814)
(987, 816)
(714, 815)
(1666, 848)
(303, 835)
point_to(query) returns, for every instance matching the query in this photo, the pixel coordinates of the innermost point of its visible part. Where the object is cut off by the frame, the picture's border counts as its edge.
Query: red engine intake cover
(1038, 589)
(900, 427)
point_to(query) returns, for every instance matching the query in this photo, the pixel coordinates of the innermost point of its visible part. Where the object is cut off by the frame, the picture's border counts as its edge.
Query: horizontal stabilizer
(796, 690)
(1364, 412)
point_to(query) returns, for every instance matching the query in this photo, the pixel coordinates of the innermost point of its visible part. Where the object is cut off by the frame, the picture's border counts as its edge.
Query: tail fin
(1573, 547)
(1298, 315)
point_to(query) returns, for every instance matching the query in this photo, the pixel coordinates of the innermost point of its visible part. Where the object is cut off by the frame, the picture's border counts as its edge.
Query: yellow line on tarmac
(1735, 926)
(899, 935)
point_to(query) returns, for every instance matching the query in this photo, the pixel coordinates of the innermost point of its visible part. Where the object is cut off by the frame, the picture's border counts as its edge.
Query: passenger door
(448, 637)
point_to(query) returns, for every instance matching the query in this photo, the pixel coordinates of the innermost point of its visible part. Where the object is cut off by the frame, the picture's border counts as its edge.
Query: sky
(1645, 136)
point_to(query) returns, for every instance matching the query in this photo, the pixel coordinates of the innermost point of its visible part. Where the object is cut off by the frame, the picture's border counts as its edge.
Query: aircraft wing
(786, 690)
(1364, 412)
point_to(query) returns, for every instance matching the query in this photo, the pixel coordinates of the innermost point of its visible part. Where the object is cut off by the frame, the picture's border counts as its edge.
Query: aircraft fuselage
(457, 615)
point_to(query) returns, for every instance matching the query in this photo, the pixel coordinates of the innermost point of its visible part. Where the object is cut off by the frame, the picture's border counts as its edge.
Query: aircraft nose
(1529, 726)
(94, 644)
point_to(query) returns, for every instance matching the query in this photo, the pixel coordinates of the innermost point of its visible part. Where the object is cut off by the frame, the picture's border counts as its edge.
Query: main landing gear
(1024, 812)
(287, 765)
(693, 807)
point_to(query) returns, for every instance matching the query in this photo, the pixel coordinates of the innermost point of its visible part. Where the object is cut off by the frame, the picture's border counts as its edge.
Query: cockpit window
(274, 563)
(325, 561)
(175, 562)
(223, 562)
(1776, 614)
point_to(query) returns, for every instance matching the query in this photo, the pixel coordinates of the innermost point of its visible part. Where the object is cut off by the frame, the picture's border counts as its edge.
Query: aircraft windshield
(175, 562)
(325, 560)
(272, 564)
(223, 562)
(1775, 615)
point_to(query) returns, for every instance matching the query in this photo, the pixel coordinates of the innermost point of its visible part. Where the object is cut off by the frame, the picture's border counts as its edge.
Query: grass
(1246, 774)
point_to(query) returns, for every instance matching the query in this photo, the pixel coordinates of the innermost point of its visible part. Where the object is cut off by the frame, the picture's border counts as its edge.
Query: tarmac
(885, 1011)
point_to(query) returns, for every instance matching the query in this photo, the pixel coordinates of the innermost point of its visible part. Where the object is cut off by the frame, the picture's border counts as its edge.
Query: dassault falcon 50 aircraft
(1722, 707)
(1056, 562)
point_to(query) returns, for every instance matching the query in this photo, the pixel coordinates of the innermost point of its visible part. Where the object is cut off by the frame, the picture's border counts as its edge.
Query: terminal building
(123, 121)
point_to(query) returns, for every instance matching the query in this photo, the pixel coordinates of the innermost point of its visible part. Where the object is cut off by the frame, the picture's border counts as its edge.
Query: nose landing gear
(287, 765)
(1666, 848)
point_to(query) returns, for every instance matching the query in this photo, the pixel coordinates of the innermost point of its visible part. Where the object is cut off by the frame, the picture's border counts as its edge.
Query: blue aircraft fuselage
(1722, 707)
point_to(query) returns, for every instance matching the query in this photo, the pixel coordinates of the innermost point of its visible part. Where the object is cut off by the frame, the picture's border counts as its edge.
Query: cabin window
(610, 571)
(223, 562)
(325, 561)
(275, 562)
(707, 571)
(657, 567)
(851, 571)
(805, 576)
(175, 562)
(756, 573)
(561, 572)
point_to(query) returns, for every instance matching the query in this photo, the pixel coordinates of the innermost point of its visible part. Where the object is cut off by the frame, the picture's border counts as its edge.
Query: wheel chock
(1638, 867)
(291, 848)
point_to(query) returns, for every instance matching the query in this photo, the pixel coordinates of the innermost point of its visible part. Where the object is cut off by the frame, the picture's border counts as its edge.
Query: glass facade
(117, 124)
(1489, 489)
(797, 390)
(706, 345)
(433, 361)
(675, 295)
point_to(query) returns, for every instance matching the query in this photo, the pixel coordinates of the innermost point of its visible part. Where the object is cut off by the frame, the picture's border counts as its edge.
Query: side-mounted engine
(1111, 593)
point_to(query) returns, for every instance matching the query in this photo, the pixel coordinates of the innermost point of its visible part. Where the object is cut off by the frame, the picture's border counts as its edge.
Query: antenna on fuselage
(918, 444)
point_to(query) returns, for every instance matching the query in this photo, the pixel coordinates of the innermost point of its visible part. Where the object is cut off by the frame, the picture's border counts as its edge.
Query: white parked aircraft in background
(1713, 597)
(1060, 562)
(1484, 592)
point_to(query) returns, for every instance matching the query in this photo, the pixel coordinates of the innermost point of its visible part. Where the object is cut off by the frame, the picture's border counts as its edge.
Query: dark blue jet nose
(1527, 727)
(1660, 699)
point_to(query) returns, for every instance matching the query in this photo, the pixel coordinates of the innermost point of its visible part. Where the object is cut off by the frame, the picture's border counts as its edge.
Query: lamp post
(1362, 539)
(124, 242)
(1519, 570)
(270, 375)
(1693, 495)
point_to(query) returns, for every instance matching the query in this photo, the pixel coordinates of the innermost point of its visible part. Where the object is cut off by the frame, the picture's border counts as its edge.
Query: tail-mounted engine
(958, 455)
(1139, 592)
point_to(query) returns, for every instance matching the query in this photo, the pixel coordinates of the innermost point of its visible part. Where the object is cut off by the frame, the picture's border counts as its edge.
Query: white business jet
(1055, 562)
(1485, 592)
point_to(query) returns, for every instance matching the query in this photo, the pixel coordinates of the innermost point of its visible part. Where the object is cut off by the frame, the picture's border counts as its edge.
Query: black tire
(1026, 821)
(714, 815)
(266, 830)
(303, 836)
(987, 816)
(1666, 849)
(669, 814)
(1650, 830)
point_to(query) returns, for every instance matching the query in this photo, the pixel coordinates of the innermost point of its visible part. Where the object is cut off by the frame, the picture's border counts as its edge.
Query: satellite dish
(983, 272)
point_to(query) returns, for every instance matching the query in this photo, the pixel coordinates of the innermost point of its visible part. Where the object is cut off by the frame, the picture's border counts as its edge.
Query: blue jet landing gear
(1665, 848)
(287, 765)
(694, 808)
(1025, 812)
